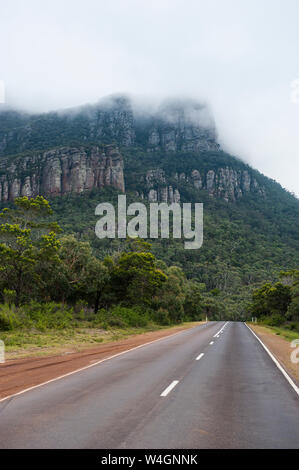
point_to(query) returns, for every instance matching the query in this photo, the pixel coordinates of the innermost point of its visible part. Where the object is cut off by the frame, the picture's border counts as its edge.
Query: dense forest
(46, 278)
(51, 279)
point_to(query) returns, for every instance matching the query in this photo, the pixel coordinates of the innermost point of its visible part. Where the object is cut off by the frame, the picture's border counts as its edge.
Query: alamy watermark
(295, 353)
(154, 224)
(2, 92)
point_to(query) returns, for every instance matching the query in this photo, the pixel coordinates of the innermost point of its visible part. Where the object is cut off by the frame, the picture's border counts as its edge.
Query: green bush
(82, 312)
(109, 320)
(122, 317)
(36, 315)
(161, 316)
(273, 320)
(8, 318)
(293, 326)
(48, 315)
(135, 317)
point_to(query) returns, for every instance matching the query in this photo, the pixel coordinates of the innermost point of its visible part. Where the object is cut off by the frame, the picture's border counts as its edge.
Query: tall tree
(135, 278)
(28, 243)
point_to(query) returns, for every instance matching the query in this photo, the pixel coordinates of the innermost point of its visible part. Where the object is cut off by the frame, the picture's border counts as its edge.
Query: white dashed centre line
(212, 342)
(169, 388)
(218, 332)
(199, 357)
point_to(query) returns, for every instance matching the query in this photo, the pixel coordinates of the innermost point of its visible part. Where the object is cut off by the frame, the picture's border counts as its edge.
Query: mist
(238, 56)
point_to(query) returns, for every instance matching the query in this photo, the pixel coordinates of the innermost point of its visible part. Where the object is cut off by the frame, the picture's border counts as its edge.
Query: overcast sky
(241, 56)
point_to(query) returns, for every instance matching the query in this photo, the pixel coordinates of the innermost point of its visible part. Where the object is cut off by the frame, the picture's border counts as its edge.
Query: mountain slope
(251, 224)
(174, 126)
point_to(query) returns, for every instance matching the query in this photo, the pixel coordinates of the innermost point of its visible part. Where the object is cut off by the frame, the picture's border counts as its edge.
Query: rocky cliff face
(226, 183)
(61, 171)
(178, 126)
(173, 131)
(174, 126)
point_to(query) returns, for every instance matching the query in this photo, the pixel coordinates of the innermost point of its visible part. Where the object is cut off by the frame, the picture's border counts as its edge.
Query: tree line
(49, 278)
(277, 303)
(39, 266)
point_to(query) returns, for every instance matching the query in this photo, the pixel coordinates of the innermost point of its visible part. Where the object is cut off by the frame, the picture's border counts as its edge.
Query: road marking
(212, 342)
(220, 331)
(199, 357)
(92, 365)
(169, 388)
(286, 375)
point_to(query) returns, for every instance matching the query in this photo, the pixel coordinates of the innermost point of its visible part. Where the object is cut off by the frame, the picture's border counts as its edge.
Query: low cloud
(240, 57)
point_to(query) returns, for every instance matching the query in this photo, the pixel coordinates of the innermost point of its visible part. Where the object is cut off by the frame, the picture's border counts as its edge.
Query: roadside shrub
(8, 318)
(135, 317)
(293, 326)
(48, 315)
(108, 319)
(122, 317)
(161, 316)
(273, 320)
(82, 311)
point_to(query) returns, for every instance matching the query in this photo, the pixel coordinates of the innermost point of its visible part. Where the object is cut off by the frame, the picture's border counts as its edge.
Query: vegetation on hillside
(54, 280)
(52, 255)
(277, 304)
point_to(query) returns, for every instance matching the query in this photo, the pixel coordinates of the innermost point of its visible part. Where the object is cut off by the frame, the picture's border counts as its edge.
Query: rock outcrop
(61, 171)
(174, 126)
(176, 130)
(181, 126)
(225, 183)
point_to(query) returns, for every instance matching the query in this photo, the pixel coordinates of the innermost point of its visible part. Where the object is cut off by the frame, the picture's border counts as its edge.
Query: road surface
(196, 389)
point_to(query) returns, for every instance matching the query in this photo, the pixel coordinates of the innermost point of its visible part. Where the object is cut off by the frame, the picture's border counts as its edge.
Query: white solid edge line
(169, 388)
(220, 330)
(199, 357)
(90, 365)
(286, 375)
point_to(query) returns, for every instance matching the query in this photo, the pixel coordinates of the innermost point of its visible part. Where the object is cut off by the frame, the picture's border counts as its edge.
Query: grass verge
(285, 333)
(21, 343)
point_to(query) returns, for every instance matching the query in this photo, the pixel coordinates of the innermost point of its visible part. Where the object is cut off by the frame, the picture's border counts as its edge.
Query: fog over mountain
(239, 57)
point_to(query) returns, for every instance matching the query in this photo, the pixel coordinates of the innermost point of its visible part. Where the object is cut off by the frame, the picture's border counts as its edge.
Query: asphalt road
(191, 390)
